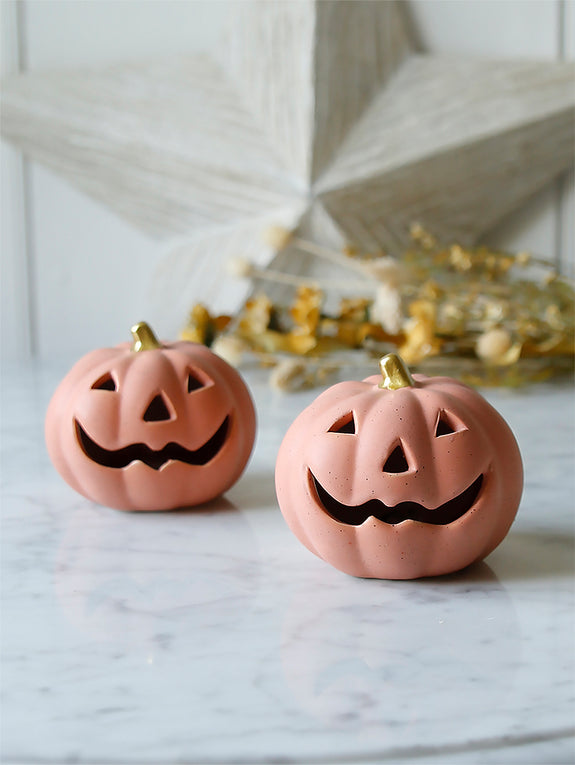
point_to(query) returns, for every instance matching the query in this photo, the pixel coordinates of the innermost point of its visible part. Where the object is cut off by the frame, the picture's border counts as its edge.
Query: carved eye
(197, 380)
(193, 383)
(345, 424)
(106, 382)
(447, 424)
(396, 462)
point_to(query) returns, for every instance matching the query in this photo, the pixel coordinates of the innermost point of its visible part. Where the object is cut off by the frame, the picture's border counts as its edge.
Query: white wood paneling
(487, 28)
(501, 29)
(93, 271)
(15, 279)
(566, 225)
(68, 33)
(567, 188)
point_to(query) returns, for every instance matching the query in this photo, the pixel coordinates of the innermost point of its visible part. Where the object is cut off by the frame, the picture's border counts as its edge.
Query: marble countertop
(212, 635)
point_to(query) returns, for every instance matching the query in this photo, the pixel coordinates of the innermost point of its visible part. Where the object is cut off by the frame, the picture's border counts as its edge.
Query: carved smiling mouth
(119, 458)
(355, 515)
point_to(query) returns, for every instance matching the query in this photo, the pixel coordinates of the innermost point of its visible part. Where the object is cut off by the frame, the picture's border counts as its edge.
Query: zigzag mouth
(355, 515)
(120, 458)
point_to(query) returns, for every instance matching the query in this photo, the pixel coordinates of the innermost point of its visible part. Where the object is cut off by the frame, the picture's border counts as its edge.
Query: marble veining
(212, 635)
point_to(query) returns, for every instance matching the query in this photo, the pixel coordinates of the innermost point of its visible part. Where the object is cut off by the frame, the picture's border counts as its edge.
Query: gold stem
(395, 373)
(144, 338)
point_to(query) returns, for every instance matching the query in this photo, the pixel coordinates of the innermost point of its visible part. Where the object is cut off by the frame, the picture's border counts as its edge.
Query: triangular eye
(396, 462)
(445, 425)
(194, 382)
(345, 424)
(106, 382)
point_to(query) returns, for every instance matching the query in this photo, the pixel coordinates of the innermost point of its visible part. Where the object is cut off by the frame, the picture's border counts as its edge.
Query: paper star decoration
(319, 116)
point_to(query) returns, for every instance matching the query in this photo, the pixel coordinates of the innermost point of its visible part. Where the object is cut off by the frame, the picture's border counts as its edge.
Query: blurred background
(76, 276)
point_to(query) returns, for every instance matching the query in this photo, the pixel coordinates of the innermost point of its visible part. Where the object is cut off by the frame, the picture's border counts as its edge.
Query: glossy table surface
(212, 635)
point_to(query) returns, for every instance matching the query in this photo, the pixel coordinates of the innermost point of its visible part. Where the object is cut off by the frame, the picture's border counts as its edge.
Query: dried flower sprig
(243, 268)
(487, 316)
(202, 327)
(279, 238)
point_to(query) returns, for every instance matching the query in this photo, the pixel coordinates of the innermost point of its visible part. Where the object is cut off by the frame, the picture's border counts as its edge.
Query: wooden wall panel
(93, 269)
(91, 272)
(67, 33)
(567, 191)
(503, 29)
(16, 336)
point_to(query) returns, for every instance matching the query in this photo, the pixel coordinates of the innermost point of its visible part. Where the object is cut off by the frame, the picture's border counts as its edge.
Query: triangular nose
(157, 410)
(396, 462)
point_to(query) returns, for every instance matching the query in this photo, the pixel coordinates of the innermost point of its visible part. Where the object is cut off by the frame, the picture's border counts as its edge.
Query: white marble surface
(212, 635)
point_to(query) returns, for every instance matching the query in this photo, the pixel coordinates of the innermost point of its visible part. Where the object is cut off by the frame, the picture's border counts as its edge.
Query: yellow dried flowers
(485, 316)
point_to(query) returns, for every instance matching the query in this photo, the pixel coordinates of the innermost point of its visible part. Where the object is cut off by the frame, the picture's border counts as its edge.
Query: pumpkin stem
(395, 373)
(144, 338)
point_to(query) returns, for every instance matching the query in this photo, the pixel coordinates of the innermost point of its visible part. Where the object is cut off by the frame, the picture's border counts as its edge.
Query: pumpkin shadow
(477, 573)
(254, 491)
(218, 505)
(535, 554)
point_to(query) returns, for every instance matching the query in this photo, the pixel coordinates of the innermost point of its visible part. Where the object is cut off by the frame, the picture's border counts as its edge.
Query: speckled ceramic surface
(399, 484)
(155, 429)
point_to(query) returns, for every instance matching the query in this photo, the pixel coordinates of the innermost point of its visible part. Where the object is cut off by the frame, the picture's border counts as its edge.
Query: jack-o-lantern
(151, 426)
(399, 477)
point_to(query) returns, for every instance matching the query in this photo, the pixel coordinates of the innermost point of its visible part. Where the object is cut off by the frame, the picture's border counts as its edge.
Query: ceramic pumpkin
(151, 426)
(399, 477)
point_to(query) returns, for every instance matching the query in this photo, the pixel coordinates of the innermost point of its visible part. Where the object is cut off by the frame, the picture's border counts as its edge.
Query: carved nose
(157, 410)
(396, 462)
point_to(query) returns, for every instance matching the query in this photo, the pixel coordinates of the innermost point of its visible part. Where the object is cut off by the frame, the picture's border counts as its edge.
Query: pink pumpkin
(151, 426)
(398, 477)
